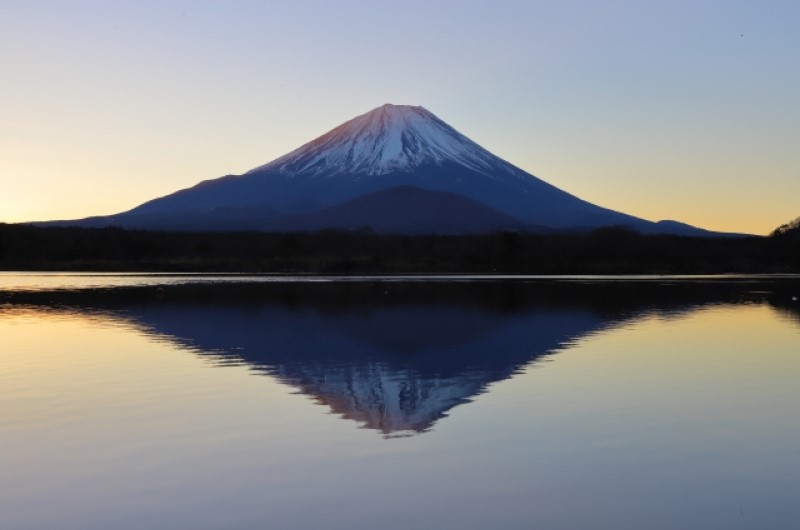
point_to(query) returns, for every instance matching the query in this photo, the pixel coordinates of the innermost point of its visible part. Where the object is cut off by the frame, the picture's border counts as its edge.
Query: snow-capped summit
(397, 168)
(386, 139)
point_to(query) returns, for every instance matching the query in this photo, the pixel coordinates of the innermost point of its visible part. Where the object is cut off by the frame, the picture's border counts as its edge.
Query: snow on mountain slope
(387, 139)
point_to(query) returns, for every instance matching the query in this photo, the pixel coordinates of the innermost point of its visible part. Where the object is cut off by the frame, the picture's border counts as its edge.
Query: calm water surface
(134, 402)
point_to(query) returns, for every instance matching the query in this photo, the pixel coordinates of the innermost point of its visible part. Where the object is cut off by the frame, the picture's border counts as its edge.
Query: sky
(686, 110)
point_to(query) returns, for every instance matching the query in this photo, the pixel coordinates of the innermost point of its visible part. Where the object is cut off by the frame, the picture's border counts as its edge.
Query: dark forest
(615, 250)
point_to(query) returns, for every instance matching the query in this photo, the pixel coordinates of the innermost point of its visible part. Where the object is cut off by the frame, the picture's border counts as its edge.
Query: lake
(175, 401)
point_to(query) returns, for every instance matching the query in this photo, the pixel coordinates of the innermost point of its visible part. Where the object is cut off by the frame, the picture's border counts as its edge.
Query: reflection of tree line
(495, 295)
(607, 250)
(393, 356)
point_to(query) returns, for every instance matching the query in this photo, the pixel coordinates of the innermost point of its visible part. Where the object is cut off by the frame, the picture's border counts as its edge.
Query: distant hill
(407, 210)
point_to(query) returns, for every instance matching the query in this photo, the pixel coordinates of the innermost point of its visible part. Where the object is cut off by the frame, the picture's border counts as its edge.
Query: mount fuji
(395, 169)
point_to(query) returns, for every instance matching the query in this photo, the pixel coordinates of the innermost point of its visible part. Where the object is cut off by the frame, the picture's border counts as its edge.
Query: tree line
(613, 250)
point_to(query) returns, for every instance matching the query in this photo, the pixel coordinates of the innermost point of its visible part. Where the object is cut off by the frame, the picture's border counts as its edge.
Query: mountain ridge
(388, 147)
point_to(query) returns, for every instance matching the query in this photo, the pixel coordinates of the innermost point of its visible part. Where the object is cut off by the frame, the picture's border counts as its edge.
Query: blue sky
(679, 110)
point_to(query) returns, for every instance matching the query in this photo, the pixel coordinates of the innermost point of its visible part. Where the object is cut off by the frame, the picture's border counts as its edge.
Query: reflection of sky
(678, 422)
(626, 104)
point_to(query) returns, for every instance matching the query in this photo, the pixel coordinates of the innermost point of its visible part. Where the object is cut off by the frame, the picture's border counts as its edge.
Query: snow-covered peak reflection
(394, 357)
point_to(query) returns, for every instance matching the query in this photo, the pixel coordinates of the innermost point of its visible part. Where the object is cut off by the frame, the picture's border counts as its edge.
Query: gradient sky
(685, 110)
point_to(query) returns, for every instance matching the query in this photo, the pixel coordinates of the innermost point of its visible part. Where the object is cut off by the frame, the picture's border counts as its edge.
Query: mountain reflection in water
(392, 356)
